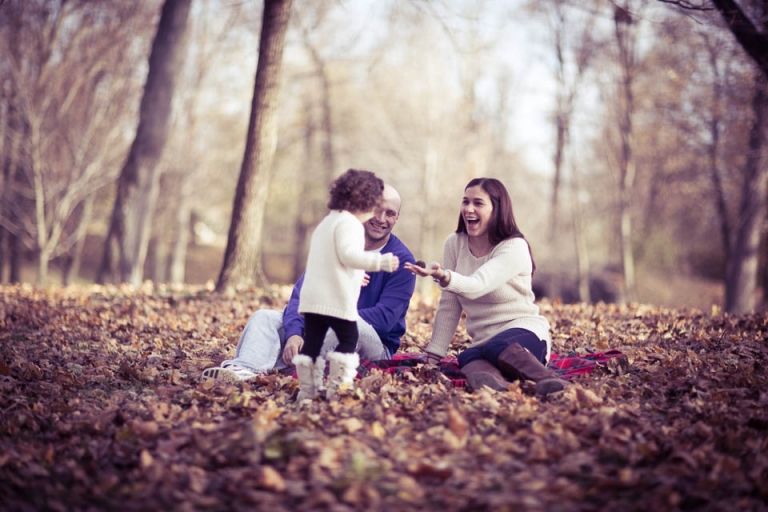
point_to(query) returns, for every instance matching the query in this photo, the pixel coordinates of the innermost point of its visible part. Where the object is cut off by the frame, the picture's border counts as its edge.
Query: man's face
(385, 215)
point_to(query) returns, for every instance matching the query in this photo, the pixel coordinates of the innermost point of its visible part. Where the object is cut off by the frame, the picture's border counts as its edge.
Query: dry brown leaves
(102, 407)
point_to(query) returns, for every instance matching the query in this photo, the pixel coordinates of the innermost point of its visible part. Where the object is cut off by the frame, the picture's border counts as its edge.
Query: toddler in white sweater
(335, 270)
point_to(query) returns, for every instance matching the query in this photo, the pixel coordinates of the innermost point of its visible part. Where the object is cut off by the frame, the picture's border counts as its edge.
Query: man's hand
(292, 347)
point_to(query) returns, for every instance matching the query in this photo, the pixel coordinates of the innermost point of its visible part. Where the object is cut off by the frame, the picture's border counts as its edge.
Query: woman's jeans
(491, 349)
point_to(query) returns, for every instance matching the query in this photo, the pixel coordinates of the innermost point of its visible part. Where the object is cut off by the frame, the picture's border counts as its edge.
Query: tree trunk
(9, 201)
(753, 39)
(3, 252)
(106, 271)
(627, 254)
(579, 239)
(717, 185)
(139, 179)
(626, 39)
(74, 258)
(177, 263)
(43, 262)
(14, 249)
(557, 178)
(714, 123)
(5, 165)
(562, 119)
(310, 208)
(242, 258)
(741, 280)
(158, 255)
(42, 235)
(329, 158)
(582, 260)
(305, 215)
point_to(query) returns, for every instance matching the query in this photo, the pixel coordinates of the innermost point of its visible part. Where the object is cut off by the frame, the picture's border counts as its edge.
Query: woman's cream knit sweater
(494, 290)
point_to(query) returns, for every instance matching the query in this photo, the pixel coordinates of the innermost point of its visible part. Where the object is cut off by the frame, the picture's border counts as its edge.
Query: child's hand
(389, 262)
(366, 279)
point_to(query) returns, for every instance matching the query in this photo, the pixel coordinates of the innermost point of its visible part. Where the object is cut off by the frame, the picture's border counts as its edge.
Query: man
(382, 306)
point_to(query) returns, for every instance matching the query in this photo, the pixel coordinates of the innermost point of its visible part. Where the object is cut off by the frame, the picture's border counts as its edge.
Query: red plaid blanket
(566, 367)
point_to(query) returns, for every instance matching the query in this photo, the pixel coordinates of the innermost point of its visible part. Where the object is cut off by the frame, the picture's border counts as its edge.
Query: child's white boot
(342, 372)
(318, 375)
(310, 376)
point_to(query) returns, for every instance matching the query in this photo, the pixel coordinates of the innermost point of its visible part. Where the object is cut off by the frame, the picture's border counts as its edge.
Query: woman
(487, 270)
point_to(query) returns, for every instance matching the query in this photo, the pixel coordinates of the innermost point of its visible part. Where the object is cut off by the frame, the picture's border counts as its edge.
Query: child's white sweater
(335, 266)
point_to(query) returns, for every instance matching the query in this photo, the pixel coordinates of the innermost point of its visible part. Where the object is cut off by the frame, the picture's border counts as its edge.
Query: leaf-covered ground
(102, 407)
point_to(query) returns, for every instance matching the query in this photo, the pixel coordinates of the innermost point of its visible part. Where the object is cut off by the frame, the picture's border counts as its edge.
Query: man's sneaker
(229, 373)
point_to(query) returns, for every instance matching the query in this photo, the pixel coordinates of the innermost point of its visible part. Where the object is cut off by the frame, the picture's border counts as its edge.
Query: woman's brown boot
(516, 362)
(481, 373)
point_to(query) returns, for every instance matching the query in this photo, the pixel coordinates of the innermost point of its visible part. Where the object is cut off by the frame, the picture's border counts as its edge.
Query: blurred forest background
(630, 133)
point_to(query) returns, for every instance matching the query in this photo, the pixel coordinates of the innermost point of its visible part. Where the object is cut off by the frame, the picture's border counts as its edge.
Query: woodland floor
(102, 408)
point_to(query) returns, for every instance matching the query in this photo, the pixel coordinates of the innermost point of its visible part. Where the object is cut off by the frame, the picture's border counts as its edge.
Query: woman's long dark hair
(502, 225)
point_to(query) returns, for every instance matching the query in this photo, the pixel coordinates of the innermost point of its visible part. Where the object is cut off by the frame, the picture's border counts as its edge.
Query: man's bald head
(385, 215)
(391, 196)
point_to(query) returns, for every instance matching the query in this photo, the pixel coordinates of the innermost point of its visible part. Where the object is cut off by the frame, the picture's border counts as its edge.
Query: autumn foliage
(102, 407)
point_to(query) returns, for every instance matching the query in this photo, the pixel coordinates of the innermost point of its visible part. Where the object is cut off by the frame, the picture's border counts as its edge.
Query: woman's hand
(292, 348)
(424, 270)
(433, 270)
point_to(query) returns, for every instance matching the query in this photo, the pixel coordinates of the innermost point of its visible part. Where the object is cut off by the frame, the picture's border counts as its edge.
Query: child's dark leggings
(315, 328)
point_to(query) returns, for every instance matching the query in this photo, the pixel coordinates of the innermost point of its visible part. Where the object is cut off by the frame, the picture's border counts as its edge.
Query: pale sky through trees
(516, 48)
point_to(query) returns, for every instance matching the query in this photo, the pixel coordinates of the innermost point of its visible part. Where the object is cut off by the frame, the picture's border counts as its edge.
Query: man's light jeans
(263, 339)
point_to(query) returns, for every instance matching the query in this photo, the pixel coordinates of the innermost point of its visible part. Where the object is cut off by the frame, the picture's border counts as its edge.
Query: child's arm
(350, 247)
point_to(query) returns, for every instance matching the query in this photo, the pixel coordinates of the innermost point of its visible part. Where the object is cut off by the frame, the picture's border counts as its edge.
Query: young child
(336, 266)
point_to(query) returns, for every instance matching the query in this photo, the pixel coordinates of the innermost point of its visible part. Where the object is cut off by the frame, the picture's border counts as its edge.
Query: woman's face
(476, 209)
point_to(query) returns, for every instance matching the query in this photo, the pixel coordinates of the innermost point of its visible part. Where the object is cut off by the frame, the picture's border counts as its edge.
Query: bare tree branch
(694, 6)
(753, 38)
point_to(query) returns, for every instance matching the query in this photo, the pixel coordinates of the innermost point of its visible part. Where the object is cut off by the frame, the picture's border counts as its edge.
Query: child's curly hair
(355, 191)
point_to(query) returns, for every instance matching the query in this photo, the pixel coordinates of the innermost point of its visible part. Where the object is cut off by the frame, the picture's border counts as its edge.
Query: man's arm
(293, 325)
(392, 302)
(293, 322)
